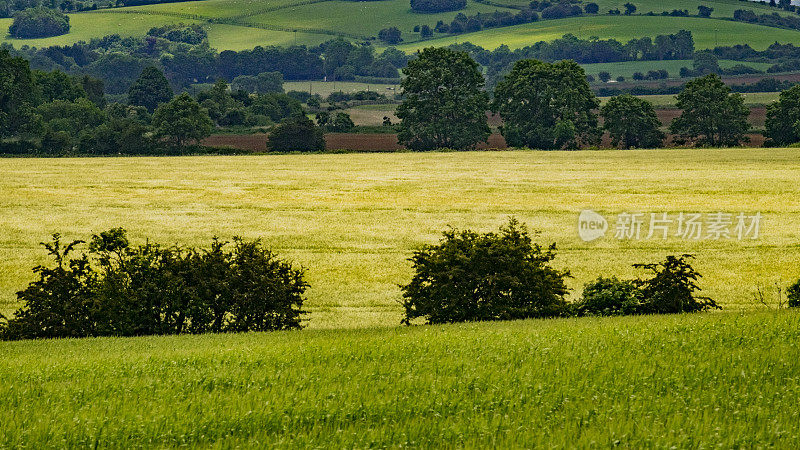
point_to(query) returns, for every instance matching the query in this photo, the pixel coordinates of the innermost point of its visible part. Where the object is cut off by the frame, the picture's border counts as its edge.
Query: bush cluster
(38, 22)
(470, 276)
(671, 289)
(120, 289)
(434, 6)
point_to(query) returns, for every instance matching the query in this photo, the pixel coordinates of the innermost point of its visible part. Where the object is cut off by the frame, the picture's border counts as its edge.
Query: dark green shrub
(119, 289)
(434, 6)
(298, 134)
(609, 297)
(494, 276)
(38, 23)
(793, 295)
(672, 288)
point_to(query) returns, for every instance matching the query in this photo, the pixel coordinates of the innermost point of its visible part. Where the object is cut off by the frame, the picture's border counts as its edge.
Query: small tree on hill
(712, 115)
(444, 103)
(390, 35)
(632, 122)
(672, 288)
(591, 8)
(704, 11)
(630, 8)
(150, 89)
(493, 276)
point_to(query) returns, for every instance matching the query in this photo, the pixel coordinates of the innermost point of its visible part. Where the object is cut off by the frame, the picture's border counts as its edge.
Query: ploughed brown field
(387, 142)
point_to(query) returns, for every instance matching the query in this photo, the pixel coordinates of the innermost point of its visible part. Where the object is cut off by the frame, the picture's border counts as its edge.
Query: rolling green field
(285, 22)
(353, 219)
(707, 33)
(708, 380)
(628, 68)
(668, 101)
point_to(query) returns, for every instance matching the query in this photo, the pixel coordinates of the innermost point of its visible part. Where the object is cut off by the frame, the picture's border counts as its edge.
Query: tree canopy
(712, 115)
(546, 106)
(444, 103)
(632, 122)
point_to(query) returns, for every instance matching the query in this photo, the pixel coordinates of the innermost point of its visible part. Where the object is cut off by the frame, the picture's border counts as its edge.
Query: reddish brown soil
(386, 142)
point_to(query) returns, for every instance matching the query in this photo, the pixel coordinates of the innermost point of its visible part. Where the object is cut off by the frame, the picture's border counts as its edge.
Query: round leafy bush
(793, 295)
(38, 22)
(434, 6)
(494, 276)
(297, 134)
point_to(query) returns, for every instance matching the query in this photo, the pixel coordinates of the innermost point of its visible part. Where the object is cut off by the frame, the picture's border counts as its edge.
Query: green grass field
(750, 98)
(709, 380)
(628, 68)
(707, 33)
(353, 219)
(326, 88)
(273, 22)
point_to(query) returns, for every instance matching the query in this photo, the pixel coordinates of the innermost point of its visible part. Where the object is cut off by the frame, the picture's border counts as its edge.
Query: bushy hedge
(38, 23)
(434, 6)
(671, 289)
(470, 276)
(120, 289)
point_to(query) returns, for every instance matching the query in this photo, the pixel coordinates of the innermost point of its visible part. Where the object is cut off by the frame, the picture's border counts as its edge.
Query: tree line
(53, 113)
(551, 106)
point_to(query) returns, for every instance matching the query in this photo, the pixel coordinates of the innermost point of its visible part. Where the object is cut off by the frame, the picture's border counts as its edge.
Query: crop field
(668, 101)
(353, 219)
(728, 380)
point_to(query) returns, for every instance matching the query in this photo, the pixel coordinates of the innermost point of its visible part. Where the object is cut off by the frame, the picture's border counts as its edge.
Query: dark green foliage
(783, 118)
(182, 121)
(444, 105)
(298, 134)
(712, 115)
(632, 122)
(263, 83)
(119, 289)
(547, 106)
(793, 295)
(609, 297)
(704, 11)
(433, 6)
(123, 136)
(672, 288)
(494, 276)
(38, 23)
(150, 89)
(16, 94)
(591, 8)
(391, 35)
(187, 34)
(341, 123)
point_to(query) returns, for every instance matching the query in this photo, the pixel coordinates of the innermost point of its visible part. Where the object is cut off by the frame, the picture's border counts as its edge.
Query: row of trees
(550, 106)
(55, 114)
(38, 22)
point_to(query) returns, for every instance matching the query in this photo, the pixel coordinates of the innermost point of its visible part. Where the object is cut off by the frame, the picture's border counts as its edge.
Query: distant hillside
(241, 24)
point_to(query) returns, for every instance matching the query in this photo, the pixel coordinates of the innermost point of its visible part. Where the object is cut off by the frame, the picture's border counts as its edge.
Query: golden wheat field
(352, 220)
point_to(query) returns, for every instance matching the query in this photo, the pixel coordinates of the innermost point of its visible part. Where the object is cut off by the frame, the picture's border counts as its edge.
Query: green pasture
(707, 380)
(628, 68)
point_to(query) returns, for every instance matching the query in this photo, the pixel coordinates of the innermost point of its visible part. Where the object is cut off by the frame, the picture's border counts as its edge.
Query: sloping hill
(239, 24)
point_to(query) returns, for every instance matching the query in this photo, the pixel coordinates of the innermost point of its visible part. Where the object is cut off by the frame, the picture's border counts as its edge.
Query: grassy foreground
(353, 219)
(727, 380)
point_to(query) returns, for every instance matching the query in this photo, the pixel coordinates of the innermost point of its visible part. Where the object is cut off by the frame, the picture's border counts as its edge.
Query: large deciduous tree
(547, 106)
(712, 115)
(150, 89)
(444, 102)
(783, 118)
(631, 122)
(182, 121)
(16, 93)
